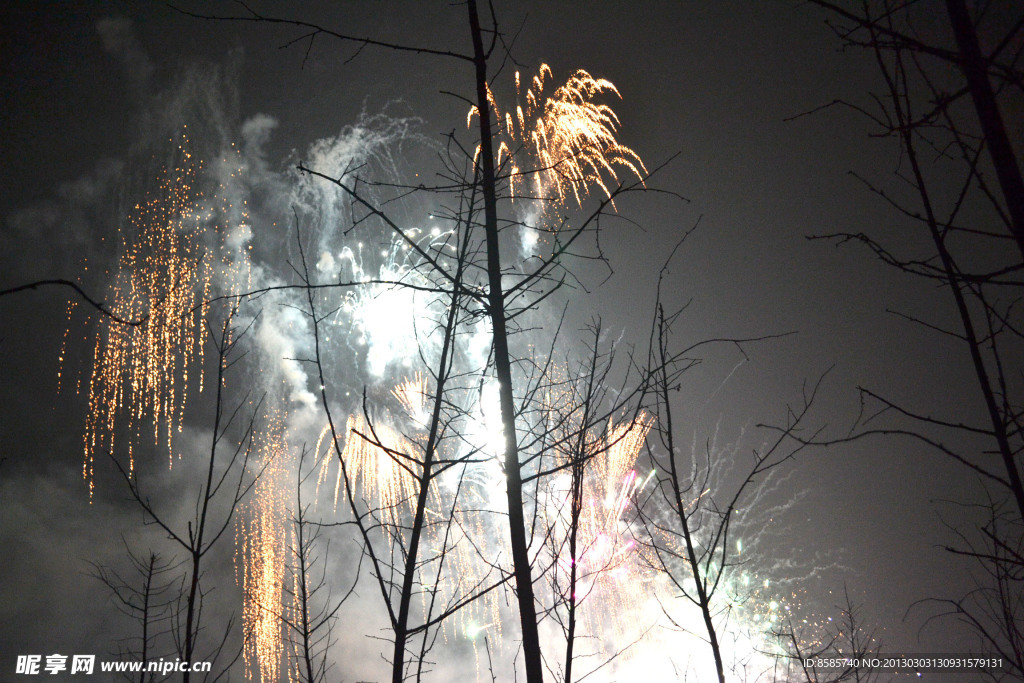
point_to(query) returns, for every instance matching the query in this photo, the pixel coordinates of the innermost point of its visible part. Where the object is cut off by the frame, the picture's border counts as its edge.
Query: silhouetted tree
(951, 138)
(146, 596)
(310, 616)
(215, 505)
(689, 516)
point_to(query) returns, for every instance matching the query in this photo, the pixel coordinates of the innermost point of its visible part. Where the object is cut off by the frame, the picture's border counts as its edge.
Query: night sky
(91, 92)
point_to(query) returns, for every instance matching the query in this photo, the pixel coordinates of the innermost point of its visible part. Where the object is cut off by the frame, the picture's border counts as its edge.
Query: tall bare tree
(941, 103)
(693, 544)
(226, 483)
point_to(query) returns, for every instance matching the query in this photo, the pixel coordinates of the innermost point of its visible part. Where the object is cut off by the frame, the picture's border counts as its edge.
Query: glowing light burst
(391, 317)
(612, 577)
(388, 326)
(568, 137)
(620, 596)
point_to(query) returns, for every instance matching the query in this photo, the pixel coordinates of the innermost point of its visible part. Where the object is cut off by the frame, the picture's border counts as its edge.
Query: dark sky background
(84, 87)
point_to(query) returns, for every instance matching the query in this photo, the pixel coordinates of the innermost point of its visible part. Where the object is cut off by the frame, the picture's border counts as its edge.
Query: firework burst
(559, 146)
(163, 276)
(606, 578)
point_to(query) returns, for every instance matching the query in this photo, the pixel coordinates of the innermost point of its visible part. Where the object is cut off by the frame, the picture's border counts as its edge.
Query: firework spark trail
(412, 395)
(377, 142)
(262, 541)
(166, 274)
(163, 276)
(184, 248)
(373, 456)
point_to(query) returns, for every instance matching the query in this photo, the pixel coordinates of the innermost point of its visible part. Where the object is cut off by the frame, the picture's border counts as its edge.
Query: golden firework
(163, 274)
(379, 462)
(262, 542)
(166, 276)
(568, 137)
(412, 395)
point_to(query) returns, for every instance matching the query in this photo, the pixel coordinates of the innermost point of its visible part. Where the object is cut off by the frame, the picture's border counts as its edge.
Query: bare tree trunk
(426, 475)
(578, 472)
(503, 368)
(146, 595)
(975, 71)
(304, 598)
(900, 102)
(699, 575)
(196, 535)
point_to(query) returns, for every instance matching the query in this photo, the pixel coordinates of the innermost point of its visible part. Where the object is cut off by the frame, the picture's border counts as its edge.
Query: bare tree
(226, 483)
(310, 615)
(694, 547)
(844, 639)
(146, 597)
(988, 326)
(689, 514)
(589, 434)
(994, 608)
(951, 139)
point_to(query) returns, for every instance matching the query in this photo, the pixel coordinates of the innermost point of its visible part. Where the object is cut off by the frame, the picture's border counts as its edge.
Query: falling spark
(262, 543)
(372, 457)
(165, 275)
(412, 395)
